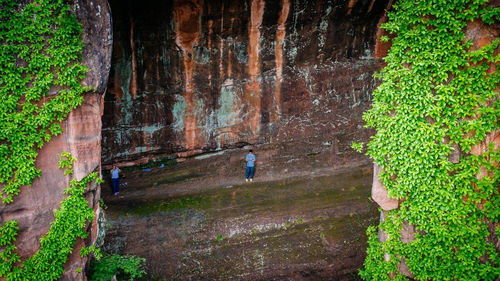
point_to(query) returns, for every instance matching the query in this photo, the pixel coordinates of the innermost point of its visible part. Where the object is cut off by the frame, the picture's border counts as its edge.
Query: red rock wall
(81, 136)
(192, 74)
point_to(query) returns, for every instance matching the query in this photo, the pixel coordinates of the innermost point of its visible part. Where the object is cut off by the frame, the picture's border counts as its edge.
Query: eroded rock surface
(190, 75)
(379, 192)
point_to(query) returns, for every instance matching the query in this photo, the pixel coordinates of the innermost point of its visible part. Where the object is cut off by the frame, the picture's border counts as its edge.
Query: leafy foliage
(8, 256)
(96, 252)
(40, 74)
(437, 98)
(40, 78)
(357, 146)
(66, 162)
(70, 222)
(125, 267)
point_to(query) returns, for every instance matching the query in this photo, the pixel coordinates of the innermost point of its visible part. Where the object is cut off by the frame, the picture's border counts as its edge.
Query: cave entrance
(193, 85)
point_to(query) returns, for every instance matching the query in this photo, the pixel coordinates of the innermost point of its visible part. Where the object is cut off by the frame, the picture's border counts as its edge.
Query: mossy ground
(300, 228)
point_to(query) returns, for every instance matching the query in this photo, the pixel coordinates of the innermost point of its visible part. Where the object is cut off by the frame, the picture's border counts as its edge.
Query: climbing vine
(70, 222)
(438, 99)
(40, 74)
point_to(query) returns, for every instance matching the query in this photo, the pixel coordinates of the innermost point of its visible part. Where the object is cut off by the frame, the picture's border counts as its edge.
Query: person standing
(115, 180)
(250, 167)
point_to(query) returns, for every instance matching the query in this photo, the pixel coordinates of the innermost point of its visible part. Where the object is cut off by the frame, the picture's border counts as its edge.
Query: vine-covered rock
(47, 70)
(437, 103)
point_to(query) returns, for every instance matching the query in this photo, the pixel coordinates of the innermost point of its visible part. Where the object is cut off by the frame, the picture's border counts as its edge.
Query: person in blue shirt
(115, 180)
(250, 167)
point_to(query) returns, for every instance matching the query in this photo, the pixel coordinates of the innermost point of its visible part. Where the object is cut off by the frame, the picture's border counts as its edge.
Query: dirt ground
(303, 218)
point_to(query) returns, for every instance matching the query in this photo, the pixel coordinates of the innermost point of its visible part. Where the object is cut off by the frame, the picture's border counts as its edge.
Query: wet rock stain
(253, 96)
(280, 37)
(350, 5)
(133, 65)
(187, 23)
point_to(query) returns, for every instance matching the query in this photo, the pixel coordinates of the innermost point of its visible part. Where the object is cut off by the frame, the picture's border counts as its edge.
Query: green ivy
(40, 74)
(66, 162)
(437, 97)
(70, 222)
(96, 252)
(8, 256)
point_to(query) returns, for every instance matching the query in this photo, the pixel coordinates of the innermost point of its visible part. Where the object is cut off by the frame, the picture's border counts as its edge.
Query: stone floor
(191, 224)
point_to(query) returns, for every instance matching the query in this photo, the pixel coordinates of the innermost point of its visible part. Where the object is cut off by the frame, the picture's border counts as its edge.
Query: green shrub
(124, 267)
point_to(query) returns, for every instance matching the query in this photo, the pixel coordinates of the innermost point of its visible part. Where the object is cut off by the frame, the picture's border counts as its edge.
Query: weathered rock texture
(81, 136)
(379, 193)
(191, 74)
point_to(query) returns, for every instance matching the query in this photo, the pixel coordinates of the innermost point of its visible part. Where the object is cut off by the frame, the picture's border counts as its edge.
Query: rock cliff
(192, 75)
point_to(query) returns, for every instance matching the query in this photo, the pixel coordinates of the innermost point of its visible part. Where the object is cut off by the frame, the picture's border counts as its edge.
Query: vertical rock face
(187, 18)
(192, 74)
(278, 56)
(253, 91)
(81, 136)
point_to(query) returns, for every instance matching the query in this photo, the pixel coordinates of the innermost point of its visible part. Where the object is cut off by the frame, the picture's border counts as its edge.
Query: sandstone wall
(192, 74)
(81, 136)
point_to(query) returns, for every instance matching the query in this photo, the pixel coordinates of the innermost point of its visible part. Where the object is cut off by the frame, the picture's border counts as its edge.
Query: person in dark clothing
(115, 180)
(250, 167)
